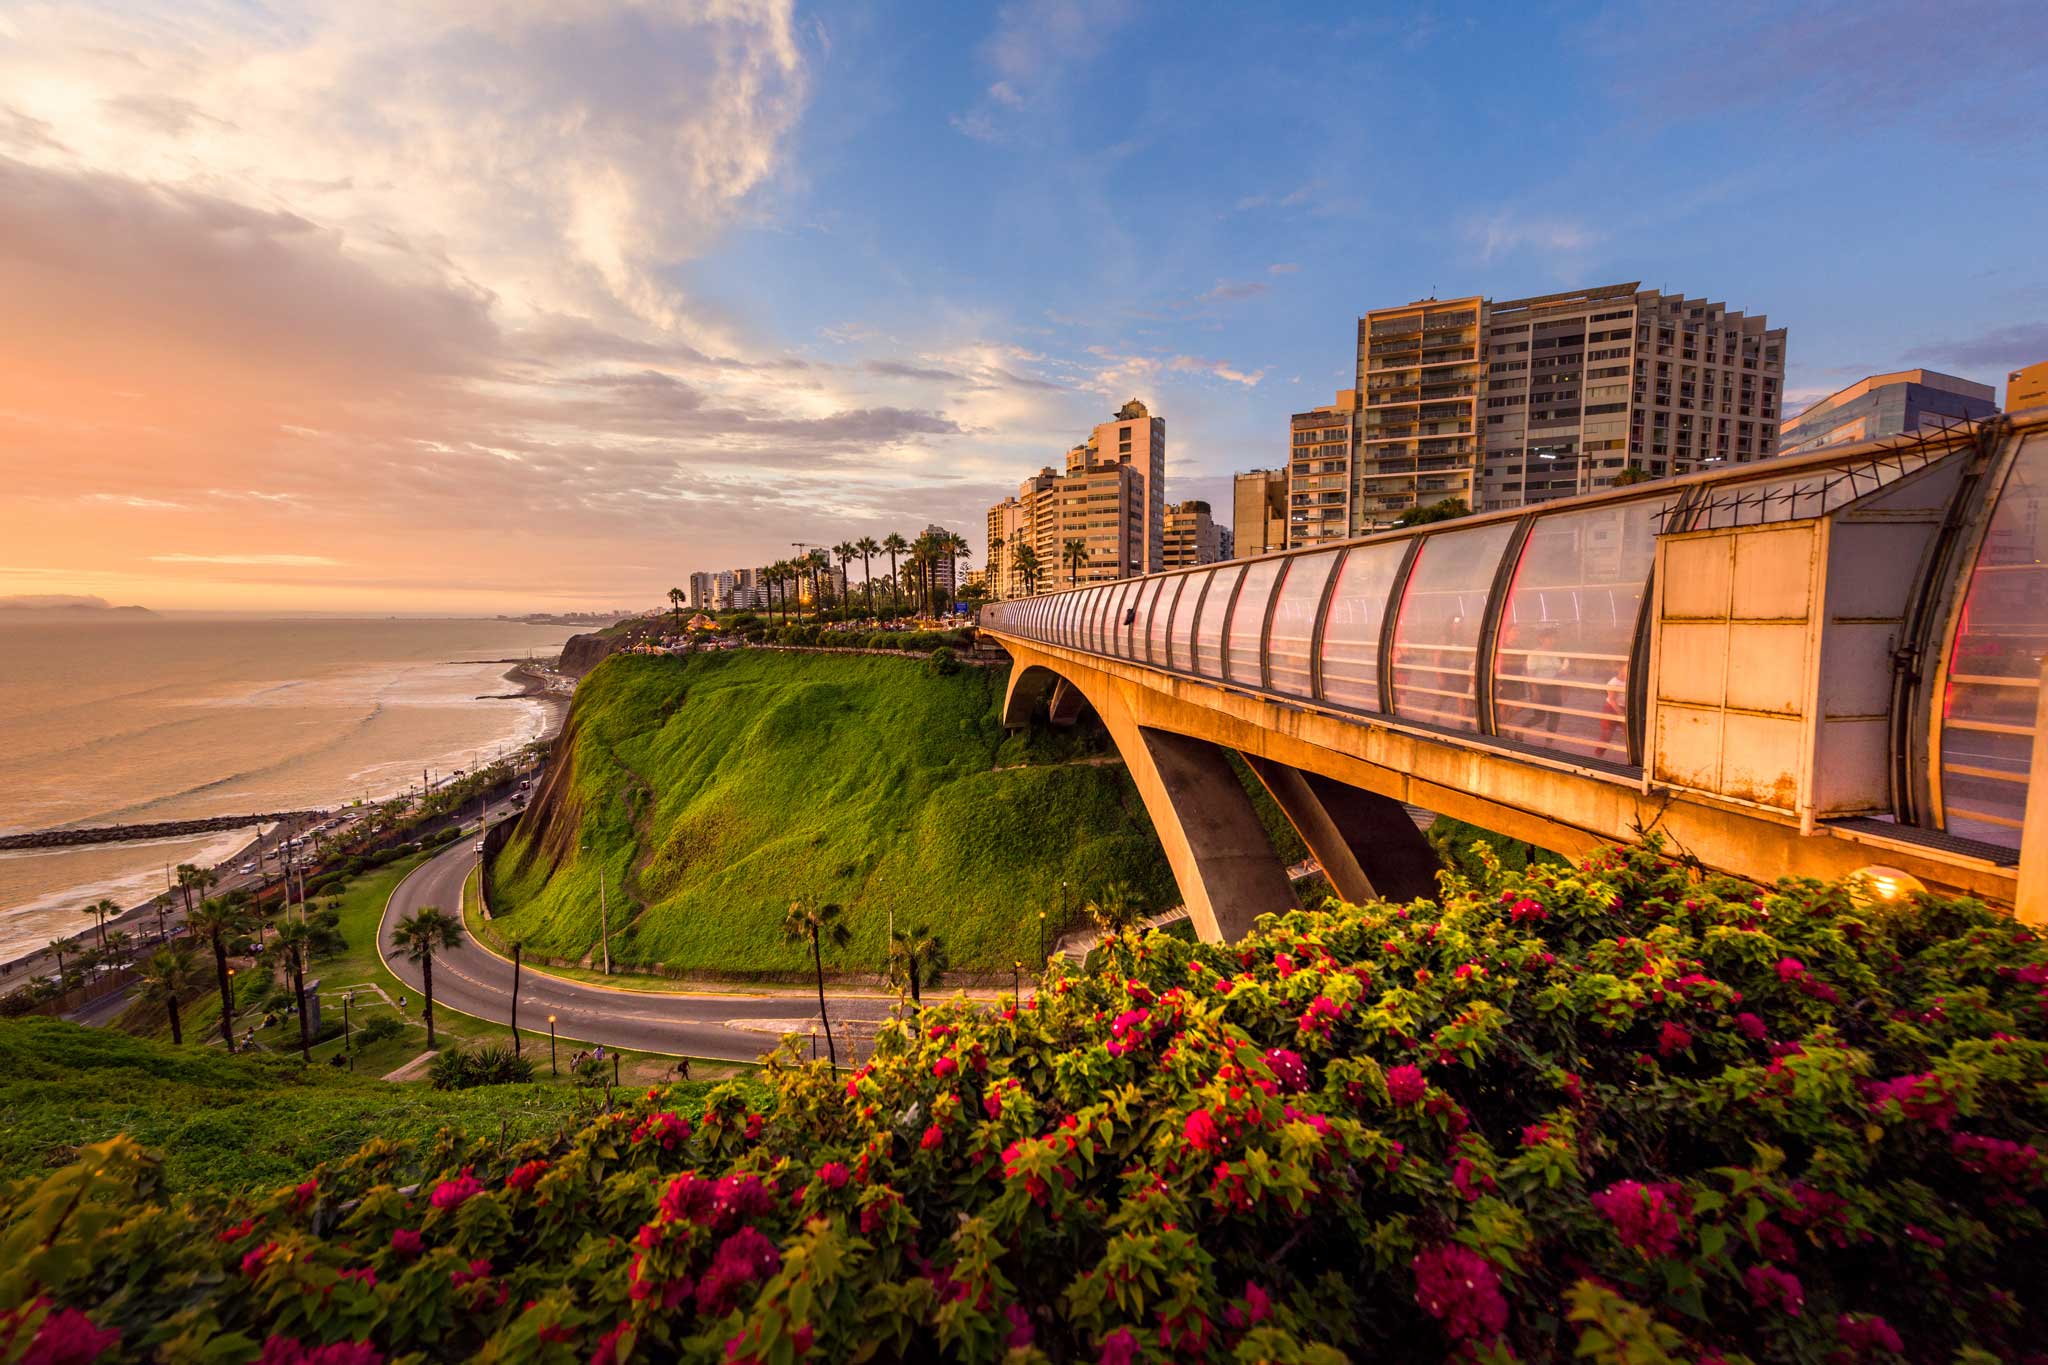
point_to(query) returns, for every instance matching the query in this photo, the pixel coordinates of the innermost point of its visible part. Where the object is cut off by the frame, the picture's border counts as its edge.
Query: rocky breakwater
(164, 829)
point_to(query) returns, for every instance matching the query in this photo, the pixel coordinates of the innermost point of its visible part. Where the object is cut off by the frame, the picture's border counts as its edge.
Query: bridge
(1815, 666)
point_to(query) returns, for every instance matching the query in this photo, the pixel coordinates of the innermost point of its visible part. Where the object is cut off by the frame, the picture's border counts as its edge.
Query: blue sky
(550, 303)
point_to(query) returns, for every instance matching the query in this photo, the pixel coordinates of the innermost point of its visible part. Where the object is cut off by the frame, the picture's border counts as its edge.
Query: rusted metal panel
(1774, 573)
(1767, 668)
(1693, 663)
(1760, 758)
(1693, 574)
(1688, 751)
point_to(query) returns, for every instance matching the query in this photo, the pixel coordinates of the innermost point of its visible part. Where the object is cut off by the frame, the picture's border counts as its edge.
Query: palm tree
(959, 551)
(100, 910)
(58, 947)
(676, 598)
(168, 975)
(816, 924)
(218, 919)
(820, 565)
(916, 959)
(295, 941)
(893, 545)
(846, 550)
(120, 948)
(1116, 907)
(1025, 562)
(995, 565)
(194, 880)
(867, 548)
(420, 935)
(1075, 555)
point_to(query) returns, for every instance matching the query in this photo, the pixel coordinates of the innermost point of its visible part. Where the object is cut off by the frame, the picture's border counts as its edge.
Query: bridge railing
(1532, 627)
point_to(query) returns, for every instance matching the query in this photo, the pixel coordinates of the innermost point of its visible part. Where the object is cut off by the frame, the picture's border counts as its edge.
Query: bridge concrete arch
(1222, 861)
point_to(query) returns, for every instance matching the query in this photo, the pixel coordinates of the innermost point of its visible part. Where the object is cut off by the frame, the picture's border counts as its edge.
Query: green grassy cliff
(224, 1122)
(711, 790)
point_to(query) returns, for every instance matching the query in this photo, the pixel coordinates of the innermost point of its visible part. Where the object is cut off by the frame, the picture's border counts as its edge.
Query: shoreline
(537, 682)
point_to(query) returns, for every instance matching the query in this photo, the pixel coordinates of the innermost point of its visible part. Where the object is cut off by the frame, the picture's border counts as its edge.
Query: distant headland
(55, 606)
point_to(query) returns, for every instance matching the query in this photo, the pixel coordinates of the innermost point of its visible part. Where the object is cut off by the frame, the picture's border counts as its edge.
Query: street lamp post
(347, 1043)
(604, 934)
(1041, 936)
(552, 1070)
(1016, 982)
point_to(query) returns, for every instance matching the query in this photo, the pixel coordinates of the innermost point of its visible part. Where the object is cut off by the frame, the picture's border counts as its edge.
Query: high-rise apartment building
(1006, 535)
(1111, 501)
(2027, 387)
(1886, 405)
(1193, 537)
(1514, 402)
(945, 572)
(701, 587)
(1258, 512)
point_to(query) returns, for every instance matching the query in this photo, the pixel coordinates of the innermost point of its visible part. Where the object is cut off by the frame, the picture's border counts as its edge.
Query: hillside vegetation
(222, 1122)
(711, 790)
(1623, 1113)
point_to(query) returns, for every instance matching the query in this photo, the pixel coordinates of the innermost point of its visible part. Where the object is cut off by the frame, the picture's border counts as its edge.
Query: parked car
(248, 869)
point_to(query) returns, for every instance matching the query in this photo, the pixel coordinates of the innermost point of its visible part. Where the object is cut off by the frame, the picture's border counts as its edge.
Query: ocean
(171, 718)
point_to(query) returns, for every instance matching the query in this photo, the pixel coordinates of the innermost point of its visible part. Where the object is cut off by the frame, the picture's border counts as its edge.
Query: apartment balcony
(1392, 397)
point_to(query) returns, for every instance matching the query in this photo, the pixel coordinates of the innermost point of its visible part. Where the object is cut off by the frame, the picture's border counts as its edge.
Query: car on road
(479, 845)
(247, 869)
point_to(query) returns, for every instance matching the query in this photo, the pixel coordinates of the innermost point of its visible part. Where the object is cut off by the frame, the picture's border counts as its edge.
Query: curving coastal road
(473, 980)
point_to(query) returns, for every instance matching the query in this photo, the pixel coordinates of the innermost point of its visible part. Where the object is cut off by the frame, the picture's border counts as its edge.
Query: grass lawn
(709, 791)
(358, 970)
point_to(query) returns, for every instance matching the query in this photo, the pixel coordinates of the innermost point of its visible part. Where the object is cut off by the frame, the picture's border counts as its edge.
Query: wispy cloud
(1998, 348)
(128, 500)
(1034, 43)
(272, 561)
(1227, 290)
(1506, 232)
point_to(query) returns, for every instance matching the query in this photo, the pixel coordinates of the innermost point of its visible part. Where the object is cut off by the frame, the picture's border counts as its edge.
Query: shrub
(942, 662)
(379, 1027)
(458, 1068)
(1623, 1112)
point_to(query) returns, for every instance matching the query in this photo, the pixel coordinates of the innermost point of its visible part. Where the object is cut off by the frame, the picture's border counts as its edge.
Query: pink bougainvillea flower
(1645, 1217)
(1287, 1069)
(1459, 1288)
(1119, 1348)
(1863, 1333)
(453, 1194)
(64, 1337)
(934, 1136)
(945, 1067)
(1772, 1288)
(406, 1243)
(1405, 1084)
(1752, 1026)
(833, 1175)
(527, 1175)
(1673, 1039)
(1201, 1131)
(1790, 969)
(282, 1350)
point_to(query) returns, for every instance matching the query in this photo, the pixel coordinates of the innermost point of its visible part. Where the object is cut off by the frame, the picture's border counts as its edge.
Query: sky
(514, 306)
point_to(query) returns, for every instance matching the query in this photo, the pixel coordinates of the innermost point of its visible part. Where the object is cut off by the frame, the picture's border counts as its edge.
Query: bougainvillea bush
(1622, 1112)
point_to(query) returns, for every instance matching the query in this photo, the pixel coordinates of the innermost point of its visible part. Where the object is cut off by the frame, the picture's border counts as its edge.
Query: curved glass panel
(1098, 618)
(1436, 635)
(1351, 634)
(1084, 619)
(1994, 671)
(1209, 629)
(1248, 622)
(1161, 617)
(1182, 634)
(1560, 664)
(1148, 603)
(1294, 619)
(1123, 619)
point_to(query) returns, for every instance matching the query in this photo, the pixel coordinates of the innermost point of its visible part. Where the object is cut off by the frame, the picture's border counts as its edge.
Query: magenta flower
(1021, 1332)
(1459, 1288)
(944, 1067)
(406, 1243)
(747, 1257)
(1674, 1038)
(1790, 969)
(934, 1136)
(257, 1257)
(1770, 1287)
(1535, 1135)
(1405, 1084)
(527, 1175)
(1201, 1131)
(66, 1337)
(281, 1350)
(833, 1175)
(453, 1194)
(1752, 1026)
(1287, 1069)
(1863, 1333)
(1645, 1217)
(1119, 1348)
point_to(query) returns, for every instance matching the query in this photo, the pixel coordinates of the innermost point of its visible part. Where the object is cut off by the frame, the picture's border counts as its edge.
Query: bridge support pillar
(1367, 844)
(1221, 858)
(1066, 704)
